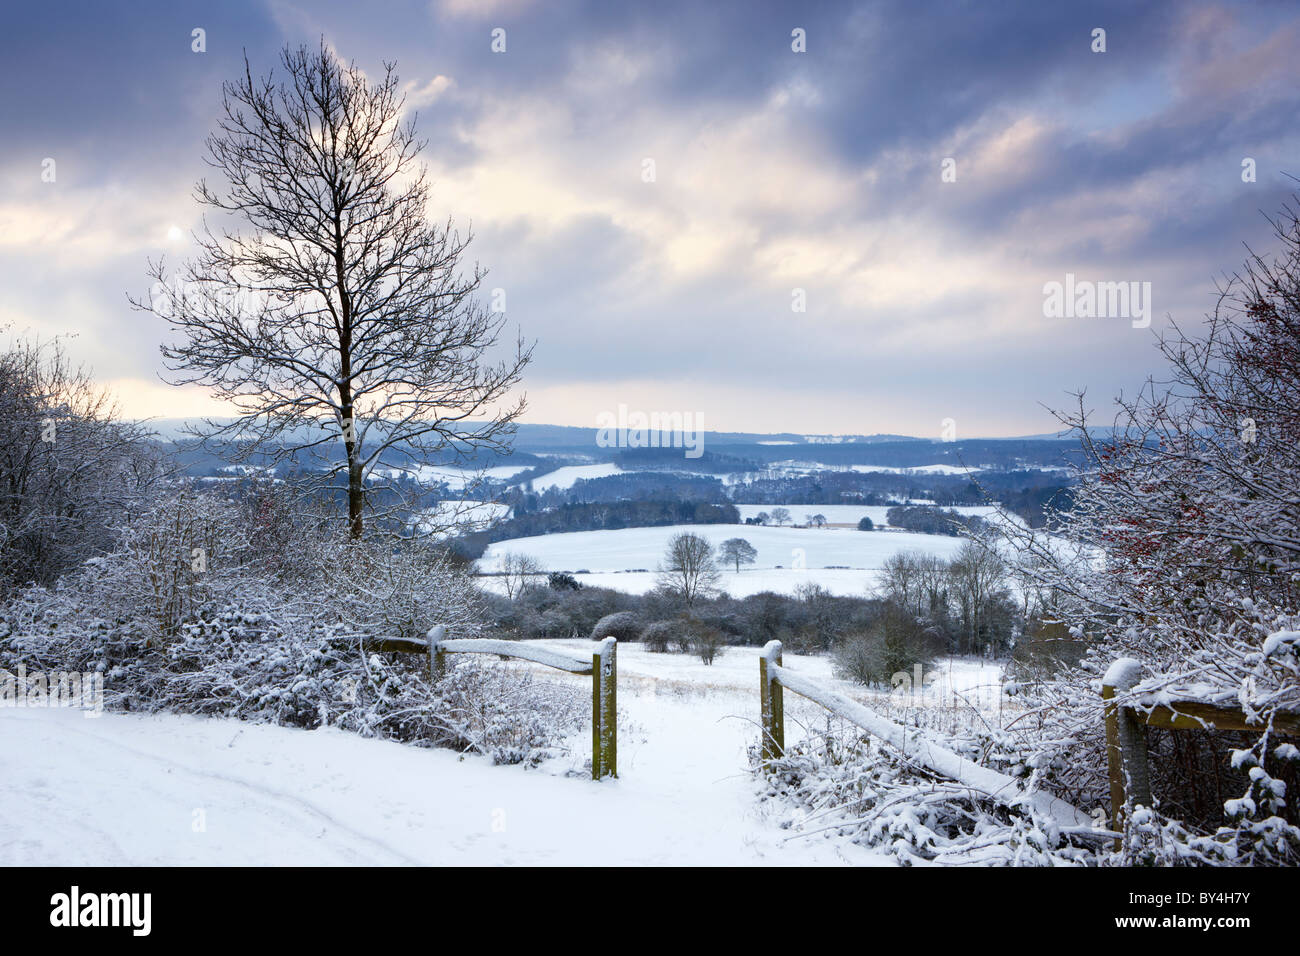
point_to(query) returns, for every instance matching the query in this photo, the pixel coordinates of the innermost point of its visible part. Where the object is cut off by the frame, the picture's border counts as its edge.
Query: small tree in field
(737, 551)
(518, 572)
(781, 516)
(340, 326)
(688, 569)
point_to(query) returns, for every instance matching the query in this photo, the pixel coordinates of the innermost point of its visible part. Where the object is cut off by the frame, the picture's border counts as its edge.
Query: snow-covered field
(124, 789)
(843, 560)
(563, 478)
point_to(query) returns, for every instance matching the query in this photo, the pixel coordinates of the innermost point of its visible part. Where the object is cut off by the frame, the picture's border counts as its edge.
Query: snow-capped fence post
(604, 710)
(437, 654)
(1126, 743)
(771, 702)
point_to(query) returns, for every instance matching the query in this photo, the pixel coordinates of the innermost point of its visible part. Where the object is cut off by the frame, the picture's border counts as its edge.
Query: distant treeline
(1024, 493)
(673, 459)
(601, 516)
(926, 519)
(654, 485)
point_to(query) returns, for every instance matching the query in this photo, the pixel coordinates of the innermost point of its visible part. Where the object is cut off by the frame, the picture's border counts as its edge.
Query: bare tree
(518, 571)
(341, 326)
(737, 551)
(70, 470)
(688, 569)
(780, 515)
(978, 577)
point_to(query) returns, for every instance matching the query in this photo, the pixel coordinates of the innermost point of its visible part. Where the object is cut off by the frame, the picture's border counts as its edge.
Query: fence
(603, 668)
(773, 677)
(1127, 761)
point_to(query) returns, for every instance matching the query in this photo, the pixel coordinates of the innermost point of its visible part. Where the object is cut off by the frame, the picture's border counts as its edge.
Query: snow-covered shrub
(622, 625)
(707, 642)
(1180, 550)
(841, 782)
(292, 646)
(894, 643)
(659, 637)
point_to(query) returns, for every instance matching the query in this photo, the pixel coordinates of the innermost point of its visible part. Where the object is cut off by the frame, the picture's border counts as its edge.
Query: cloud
(773, 171)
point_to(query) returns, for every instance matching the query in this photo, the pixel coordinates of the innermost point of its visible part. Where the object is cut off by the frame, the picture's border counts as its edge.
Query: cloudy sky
(774, 171)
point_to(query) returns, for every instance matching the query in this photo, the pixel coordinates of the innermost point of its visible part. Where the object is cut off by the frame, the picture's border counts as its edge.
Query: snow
(1278, 638)
(563, 478)
(527, 650)
(625, 559)
(1123, 673)
(173, 790)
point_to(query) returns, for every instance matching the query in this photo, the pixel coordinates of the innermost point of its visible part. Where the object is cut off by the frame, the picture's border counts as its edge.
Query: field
(842, 560)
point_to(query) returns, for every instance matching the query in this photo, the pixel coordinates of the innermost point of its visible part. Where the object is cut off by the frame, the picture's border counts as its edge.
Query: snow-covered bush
(659, 637)
(623, 625)
(840, 782)
(1182, 550)
(230, 637)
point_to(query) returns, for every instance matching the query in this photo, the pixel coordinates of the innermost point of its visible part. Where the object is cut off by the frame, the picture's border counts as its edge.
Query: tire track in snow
(264, 791)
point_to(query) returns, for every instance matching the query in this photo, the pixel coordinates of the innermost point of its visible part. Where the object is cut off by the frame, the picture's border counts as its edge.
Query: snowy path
(123, 789)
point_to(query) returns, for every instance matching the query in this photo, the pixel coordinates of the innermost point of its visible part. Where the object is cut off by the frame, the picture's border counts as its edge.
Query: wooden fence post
(437, 656)
(604, 710)
(771, 702)
(1126, 743)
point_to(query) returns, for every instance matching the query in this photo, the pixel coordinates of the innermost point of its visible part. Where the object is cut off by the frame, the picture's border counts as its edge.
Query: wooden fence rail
(1005, 790)
(1127, 762)
(603, 668)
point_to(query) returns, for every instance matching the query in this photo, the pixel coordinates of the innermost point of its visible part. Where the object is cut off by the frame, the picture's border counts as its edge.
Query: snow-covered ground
(563, 478)
(843, 560)
(123, 789)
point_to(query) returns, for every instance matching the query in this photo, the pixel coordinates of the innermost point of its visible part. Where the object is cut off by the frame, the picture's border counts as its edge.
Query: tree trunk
(355, 499)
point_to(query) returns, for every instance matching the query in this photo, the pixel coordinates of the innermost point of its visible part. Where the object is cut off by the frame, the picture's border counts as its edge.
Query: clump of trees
(895, 642)
(966, 600)
(927, 519)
